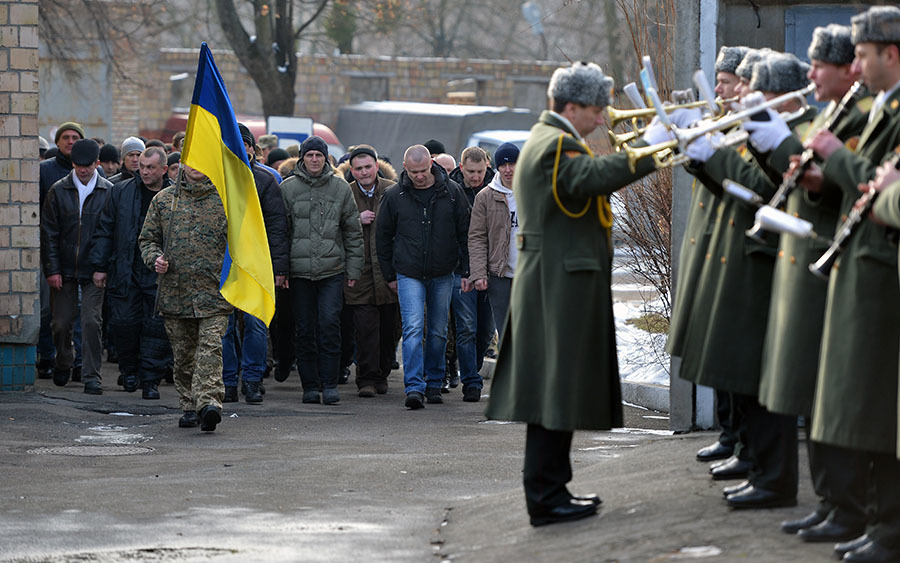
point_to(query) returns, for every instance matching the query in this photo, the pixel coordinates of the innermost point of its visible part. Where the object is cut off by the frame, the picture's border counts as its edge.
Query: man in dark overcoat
(557, 367)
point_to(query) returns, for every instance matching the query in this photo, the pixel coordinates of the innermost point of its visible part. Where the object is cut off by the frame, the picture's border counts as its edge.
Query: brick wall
(19, 213)
(324, 82)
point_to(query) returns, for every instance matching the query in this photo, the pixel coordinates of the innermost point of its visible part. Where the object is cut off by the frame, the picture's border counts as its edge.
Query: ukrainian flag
(213, 145)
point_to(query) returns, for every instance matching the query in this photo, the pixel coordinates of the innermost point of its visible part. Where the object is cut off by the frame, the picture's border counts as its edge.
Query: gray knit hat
(751, 57)
(880, 24)
(581, 83)
(831, 44)
(132, 144)
(729, 58)
(779, 72)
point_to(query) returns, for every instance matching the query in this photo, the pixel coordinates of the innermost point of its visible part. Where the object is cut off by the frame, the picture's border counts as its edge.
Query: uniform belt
(528, 241)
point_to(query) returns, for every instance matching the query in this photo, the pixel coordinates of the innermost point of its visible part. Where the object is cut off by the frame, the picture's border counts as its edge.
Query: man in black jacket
(68, 219)
(421, 238)
(254, 347)
(51, 171)
(138, 333)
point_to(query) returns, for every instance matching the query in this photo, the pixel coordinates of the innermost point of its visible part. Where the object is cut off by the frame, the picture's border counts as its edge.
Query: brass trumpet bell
(662, 154)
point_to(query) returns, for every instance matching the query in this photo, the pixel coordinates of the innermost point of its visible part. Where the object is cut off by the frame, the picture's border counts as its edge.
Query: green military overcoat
(557, 365)
(733, 288)
(701, 220)
(856, 386)
(887, 207)
(797, 307)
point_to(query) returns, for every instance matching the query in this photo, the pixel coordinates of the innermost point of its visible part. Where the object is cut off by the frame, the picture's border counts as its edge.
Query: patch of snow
(642, 355)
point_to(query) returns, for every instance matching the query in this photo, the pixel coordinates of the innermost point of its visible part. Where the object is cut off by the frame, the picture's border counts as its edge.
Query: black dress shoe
(563, 513)
(281, 373)
(210, 416)
(752, 497)
(150, 391)
(808, 521)
(873, 551)
(61, 376)
(841, 548)
(830, 531)
(714, 452)
(593, 499)
(93, 388)
(189, 420)
(731, 489)
(130, 382)
(735, 469)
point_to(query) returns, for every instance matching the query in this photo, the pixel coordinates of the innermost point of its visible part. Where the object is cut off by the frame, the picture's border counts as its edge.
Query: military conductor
(557, 369)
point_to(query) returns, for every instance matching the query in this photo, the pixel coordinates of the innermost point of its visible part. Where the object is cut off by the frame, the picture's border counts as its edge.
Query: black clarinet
(806, 157)
(822, 267)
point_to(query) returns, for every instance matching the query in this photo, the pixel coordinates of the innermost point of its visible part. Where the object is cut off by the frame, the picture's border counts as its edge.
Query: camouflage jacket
(198, 233)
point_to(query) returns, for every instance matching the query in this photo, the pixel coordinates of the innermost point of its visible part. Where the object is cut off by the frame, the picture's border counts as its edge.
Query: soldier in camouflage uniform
(183, 240)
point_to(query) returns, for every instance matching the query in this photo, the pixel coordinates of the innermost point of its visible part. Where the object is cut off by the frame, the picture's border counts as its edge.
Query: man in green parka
(557, 367)
(856, 389)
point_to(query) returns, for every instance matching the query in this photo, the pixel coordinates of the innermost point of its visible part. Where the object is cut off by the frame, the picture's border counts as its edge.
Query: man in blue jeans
(421, 239)
(254, 347)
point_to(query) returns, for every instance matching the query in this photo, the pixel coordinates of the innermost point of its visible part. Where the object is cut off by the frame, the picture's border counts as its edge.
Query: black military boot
(231, 394)
(151, 390)
(252, 392)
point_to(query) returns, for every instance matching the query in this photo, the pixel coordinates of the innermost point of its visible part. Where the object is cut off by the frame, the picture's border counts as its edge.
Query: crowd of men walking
(132, 246)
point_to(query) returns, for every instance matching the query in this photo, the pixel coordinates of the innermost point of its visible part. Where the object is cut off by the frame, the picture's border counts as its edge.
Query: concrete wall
(19, 213)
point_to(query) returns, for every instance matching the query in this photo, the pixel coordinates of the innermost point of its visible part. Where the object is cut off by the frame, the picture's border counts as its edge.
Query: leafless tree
(269, 53)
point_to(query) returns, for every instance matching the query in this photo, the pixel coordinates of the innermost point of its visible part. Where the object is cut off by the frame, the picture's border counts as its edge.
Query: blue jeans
(253, 351)
(423, 355)
(465, 310)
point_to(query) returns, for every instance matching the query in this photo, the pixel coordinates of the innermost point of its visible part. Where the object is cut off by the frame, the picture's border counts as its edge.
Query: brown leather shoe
(367, 391)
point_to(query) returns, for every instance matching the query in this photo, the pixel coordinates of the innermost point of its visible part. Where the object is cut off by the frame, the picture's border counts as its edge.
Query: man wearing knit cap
(492, 235)
(132, 147)
(68, 220)
(856, 393)
(693, 248)
(435, 147)
(557, 369)
(109, 160)
(797, 309)
(51, 171)
(326, 249)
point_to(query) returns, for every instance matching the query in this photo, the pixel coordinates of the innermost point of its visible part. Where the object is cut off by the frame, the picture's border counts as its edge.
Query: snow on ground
(642, 355)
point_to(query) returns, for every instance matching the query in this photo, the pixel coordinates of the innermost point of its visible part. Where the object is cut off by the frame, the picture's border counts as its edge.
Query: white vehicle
(492, 139)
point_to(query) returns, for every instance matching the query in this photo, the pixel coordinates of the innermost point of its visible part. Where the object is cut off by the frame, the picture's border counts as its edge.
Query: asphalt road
(363, 480)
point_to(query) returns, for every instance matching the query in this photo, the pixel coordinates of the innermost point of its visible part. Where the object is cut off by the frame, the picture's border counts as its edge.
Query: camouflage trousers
(197, 351)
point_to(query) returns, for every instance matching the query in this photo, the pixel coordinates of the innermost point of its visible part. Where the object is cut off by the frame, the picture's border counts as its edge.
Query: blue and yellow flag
(213, 146)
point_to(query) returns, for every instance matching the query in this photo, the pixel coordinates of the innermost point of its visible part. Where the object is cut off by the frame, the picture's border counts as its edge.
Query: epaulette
(865, 104)
(852, 143)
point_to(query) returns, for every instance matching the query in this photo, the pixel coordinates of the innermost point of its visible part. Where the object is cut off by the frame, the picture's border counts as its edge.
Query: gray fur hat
(751, 57)
(779, 72)
(581, 83)
(880, 24)
(831, 44)
(729, 58)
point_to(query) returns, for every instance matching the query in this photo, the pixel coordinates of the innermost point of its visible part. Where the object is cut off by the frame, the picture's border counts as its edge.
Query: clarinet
(822, 267)
(806, 157)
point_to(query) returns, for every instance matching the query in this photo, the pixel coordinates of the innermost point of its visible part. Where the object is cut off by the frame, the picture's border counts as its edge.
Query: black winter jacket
(420, 242)
(457, 176)
(114, 242)
(52, 171)
(66, 237)
(275, 219)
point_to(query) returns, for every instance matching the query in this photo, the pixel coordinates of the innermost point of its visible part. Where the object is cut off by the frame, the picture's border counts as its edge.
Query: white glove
(685, 117)
(656, 133)
(703, 148)
(765, 136)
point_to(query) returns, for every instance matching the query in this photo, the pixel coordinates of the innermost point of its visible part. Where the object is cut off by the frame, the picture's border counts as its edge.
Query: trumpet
(618, 140)
(617, 116)
(686, 136)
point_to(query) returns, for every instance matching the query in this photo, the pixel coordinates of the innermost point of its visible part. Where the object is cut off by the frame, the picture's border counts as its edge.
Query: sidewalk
(363, 480)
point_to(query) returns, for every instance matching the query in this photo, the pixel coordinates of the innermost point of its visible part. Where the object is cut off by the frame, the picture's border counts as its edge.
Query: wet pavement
(112, 478)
